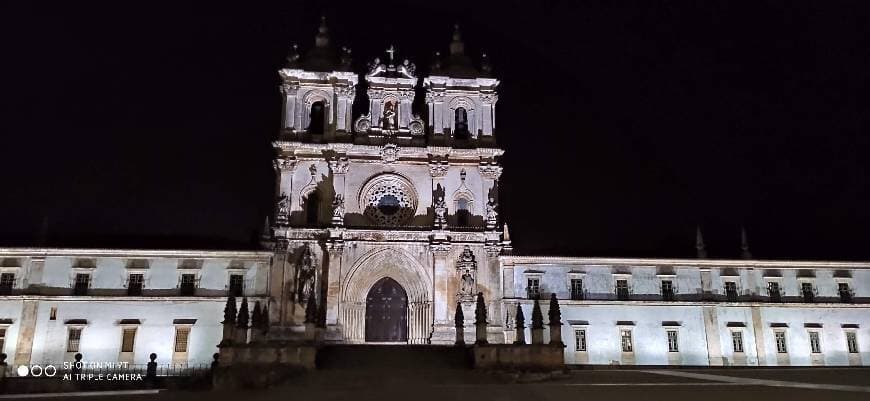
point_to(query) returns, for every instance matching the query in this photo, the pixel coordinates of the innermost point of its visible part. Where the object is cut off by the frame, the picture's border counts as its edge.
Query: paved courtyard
(599, 384)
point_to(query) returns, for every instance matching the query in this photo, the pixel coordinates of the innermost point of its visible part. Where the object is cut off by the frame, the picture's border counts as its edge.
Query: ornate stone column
(289, 90)
(440, 248)
(339, 165)
(335, 250)
(284, 170)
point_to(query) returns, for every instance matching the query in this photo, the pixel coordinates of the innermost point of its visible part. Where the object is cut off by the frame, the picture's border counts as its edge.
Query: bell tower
(318, 91)
(461, 98)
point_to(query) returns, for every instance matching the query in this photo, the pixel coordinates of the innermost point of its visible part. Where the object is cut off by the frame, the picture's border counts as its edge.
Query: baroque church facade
(388, 222)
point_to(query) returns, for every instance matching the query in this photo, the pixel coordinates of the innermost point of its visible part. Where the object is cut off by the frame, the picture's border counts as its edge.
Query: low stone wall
(260, 365)
(519, 357)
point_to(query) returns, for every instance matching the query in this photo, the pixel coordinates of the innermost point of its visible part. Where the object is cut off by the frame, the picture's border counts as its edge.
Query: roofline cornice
(138, 253)
(737, 263)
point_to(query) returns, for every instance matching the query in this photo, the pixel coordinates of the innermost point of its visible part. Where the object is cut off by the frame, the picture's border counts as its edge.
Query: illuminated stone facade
(411, 195)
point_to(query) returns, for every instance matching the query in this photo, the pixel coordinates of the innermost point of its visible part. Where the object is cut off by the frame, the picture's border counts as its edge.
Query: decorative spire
(293, 56)
(264, 319)
(555, 314)
(485, 65)
(506, 236)
(457, 48)
(459, 317)
(537, 316)
(699, 244)
(436, 62)
(744, 245)
(230, 310)
(243, 317)
(480, 310)
(267, 229)
(322, 38)
(521, 319)
(256, 316)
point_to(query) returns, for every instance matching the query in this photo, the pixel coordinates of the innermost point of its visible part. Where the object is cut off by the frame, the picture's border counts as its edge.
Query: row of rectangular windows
(128, 339)
(627, 345)
(81, 284)
(623, 291)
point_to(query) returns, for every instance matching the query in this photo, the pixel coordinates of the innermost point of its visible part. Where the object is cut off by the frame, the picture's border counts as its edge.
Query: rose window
(389, 200)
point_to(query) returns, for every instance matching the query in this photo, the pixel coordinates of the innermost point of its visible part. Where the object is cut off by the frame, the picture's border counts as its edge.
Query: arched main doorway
(386, 312)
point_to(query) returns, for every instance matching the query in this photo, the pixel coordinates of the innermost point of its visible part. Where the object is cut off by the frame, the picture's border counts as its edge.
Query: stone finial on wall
(459, 321)
(520, 326)
(480, 319)
(555, 316)
(230, 310)
(537, 324)
(242, 321)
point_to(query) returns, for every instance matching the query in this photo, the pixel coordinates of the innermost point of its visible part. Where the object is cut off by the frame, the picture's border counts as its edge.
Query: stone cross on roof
(391, 51)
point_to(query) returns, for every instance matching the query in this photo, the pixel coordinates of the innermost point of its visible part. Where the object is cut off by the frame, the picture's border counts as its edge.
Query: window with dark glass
(534, 288)
(737, 341)
(460, 124)
(774, 292)
(82, 284)
(312, 208)
(580, 340)
(135, 282)
(673, 342)
(815, 343)
(576, 288)
(780, 342)
(852, 342)
(74, 338)
(462, 213)
(318, 119)
(7, 281)
(622, 290)
(808, 292)
(731, 291)
(2, 338)
(187, 286)
(845, 292)
(667, 290)
(627, 345)
(237, 285)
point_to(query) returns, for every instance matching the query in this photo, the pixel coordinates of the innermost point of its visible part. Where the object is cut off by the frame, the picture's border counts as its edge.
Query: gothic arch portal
(407, 272)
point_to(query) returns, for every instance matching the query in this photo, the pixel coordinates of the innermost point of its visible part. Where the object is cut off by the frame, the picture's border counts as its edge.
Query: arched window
(312, 208)
(462, 212)
(460, 123)
(318, 118)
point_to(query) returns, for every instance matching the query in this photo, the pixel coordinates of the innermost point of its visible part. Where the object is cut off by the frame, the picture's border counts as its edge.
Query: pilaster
(335, 251)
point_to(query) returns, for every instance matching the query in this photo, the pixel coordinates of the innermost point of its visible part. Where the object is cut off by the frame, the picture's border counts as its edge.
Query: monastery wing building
(388, 222)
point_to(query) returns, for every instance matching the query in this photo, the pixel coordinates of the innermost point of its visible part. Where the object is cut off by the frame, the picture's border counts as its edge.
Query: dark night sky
(625, 123)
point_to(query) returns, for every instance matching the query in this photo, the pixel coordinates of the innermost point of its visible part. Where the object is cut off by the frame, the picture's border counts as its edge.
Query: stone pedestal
(537, 336)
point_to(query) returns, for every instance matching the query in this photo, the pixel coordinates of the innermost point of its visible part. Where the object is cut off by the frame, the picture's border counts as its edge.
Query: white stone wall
(753, 314)
(49, 286)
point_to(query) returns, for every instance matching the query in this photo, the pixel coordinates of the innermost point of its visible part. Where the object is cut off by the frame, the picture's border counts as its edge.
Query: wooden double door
(387, 312)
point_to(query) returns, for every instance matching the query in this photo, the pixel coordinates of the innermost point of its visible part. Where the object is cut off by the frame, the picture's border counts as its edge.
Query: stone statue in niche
(467, 286)
(338, 210)
(388, 121)
(283, 209)
(491, 213)
(440, 212)
(467, 267)
(305, 272)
